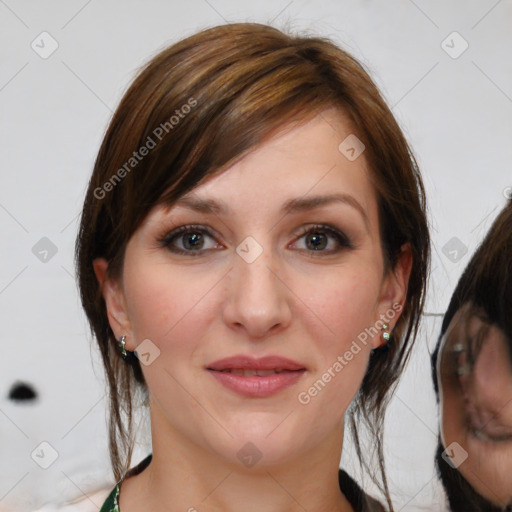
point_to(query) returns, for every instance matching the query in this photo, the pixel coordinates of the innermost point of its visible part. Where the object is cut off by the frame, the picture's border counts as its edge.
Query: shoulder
(111, 503)
(360, 501)
(110, 498)
(92, 502)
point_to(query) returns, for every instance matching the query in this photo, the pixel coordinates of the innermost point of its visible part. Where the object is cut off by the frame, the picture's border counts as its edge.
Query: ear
(114, 299)
(394, 292)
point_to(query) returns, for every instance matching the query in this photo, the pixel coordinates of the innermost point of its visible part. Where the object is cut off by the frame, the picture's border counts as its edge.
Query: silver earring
(121, 343)
(386, 335)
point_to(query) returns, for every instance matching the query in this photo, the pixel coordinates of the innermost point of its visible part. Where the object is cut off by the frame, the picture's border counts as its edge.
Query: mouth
(248, 372)
(252, 378)
(243, 362)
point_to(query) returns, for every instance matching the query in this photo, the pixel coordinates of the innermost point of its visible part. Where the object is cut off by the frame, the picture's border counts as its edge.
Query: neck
(184, 476)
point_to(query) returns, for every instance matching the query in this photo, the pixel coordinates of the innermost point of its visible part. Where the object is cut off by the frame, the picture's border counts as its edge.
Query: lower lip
(255, 386)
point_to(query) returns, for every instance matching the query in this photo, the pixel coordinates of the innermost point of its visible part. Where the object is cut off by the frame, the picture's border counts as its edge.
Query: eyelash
(167, 240)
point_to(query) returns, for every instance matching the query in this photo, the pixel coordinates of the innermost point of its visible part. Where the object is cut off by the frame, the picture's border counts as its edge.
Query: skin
(480, 400)
(291, 301)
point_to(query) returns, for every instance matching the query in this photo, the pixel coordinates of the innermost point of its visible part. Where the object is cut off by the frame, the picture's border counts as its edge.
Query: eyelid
(343, 241)
(169, 235)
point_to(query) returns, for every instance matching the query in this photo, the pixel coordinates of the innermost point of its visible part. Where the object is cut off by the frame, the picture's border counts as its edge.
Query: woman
(472, 371)
(255, 230)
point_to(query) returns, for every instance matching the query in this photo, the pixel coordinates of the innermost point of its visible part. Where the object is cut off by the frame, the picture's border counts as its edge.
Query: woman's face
(476, 404)
(256, 279)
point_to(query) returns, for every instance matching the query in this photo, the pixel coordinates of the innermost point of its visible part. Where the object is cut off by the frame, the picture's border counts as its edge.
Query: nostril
(20, 391)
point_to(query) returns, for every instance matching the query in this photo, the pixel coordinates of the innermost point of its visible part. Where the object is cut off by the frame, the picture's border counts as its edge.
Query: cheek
(344, 313)
(346, 306)
(164, 304)
(453, 425)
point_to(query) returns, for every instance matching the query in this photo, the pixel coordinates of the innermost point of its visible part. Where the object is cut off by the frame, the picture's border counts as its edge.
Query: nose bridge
(253, 265)
(257, 298)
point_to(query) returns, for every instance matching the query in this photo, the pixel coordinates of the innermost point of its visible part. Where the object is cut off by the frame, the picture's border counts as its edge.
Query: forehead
(297, 164)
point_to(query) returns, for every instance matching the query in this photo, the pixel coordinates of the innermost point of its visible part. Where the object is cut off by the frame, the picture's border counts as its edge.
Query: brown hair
(242, 82)
(485, 290)
(486, 282)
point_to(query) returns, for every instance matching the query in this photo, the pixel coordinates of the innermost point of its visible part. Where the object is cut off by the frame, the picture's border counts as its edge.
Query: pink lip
(245, 362)
(255, 386)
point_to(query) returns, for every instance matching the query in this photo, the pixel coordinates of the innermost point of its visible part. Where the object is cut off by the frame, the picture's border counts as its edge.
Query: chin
(256, 449)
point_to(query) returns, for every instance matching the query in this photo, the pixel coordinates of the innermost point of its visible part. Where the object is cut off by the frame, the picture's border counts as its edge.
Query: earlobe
(114, 299)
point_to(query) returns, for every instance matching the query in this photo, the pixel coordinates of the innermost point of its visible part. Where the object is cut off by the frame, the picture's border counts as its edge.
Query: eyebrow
(297, 205)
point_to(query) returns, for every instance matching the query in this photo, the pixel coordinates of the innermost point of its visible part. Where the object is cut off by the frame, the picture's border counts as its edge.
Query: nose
(258, 302)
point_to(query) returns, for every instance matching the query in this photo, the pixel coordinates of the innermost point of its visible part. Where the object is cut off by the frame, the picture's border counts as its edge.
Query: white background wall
(456, 113)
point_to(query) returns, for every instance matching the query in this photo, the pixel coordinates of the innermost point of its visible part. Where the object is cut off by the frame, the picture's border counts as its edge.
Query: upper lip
(246, 362)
